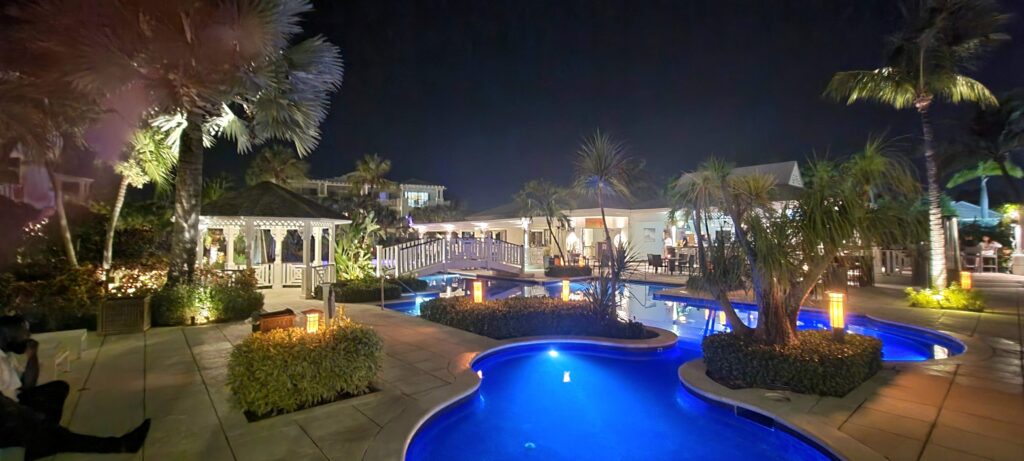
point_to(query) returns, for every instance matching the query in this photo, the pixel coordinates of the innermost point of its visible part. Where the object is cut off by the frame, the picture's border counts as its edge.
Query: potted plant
(126, 307)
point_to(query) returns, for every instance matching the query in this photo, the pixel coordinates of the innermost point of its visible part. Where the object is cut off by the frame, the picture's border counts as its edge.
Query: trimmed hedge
(361, 290)
(568, 271)
(288, 369)
(518, 317)
(953, 297)
(220, 300)
(816, 364)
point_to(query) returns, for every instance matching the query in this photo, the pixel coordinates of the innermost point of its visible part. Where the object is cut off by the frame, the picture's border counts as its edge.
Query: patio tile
(906, 408)
(419, 383)
(977, 444)
(895, 447)
(900, 425)
(1013, 433)
(288, 442)
(986, 402)
(933, 452)
(385, 407)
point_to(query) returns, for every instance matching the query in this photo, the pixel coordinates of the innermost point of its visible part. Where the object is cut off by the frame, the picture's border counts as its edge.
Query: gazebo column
(200, 240)
(279, 234)
(230, 233)
(318, 246)
(307, 271)
(330, 252)
(250, 243)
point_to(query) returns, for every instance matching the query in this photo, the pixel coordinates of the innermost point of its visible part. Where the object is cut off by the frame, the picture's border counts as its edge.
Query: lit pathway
(176, 376)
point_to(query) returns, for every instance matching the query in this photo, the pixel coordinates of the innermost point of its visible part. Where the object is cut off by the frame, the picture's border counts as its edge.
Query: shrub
(953, 297)
(178, 305)
(217, 298)
(517, 317)
(364, 290)
(68, 300)
(286, 370)
(410, 283)
(567, 271)
(236, 303)
(816, 364)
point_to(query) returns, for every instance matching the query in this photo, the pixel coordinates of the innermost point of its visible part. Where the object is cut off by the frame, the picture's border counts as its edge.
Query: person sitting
(988, 246)
(30, 413)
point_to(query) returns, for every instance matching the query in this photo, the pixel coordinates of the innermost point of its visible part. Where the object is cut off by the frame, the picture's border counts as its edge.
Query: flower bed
(215, 299)
(817, 364)
(286, 370)
(518, 317)
(954, 297)
(66, 300)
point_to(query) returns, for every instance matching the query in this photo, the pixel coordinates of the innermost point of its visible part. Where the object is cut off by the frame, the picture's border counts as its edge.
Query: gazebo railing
(293, 274)
(264, 275)
(323, 274)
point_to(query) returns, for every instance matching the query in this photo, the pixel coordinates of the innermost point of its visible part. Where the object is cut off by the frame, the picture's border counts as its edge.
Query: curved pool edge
(399, 432)
(791, 416)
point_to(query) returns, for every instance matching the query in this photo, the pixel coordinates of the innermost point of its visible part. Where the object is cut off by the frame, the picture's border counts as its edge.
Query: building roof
(577, 201)
(267, 199)
(967, 211)
(788, 180)
(419, 182)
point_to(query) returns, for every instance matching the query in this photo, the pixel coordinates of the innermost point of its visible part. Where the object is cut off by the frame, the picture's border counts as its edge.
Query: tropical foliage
(952, 297)
(940, 40)
(787, 246)
(370, 175)
(354, 251)
(277, 164)
(542, 198)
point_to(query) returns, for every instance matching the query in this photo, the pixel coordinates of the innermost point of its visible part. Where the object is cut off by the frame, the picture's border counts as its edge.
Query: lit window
(416, 199)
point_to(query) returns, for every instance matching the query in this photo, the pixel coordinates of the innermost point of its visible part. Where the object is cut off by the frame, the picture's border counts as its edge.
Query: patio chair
(654, 261)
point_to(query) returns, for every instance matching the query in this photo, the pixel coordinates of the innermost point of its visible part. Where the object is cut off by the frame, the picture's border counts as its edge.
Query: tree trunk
(773, 322)
(188, 190)
(108, 247)
(722, 296)
(62, 218)
(936, 234)
(607, 236)
(555, 238)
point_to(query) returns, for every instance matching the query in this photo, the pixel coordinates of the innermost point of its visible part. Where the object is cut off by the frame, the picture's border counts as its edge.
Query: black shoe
(132, 441)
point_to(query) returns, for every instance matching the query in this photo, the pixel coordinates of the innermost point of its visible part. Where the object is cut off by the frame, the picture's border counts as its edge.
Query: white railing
(264, 274)
(292, 274)
(323, 274)
(896, 262)
(422, 254)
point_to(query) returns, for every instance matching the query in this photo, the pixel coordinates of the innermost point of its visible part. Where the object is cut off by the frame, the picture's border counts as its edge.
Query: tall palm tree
(940, 39)
(604, 169)
(223, 68)
(150, 158)
(277, 164)
(542, 198)
(370, 174)
(993, 136)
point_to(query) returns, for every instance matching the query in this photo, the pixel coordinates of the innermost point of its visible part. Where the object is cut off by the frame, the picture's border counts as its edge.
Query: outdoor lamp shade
(478, 291)
(966, 282)
(565, 290)
(835, 310)
(312, 322)
(582, 261)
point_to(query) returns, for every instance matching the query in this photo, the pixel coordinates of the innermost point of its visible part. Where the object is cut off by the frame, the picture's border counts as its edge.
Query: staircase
(427, 256)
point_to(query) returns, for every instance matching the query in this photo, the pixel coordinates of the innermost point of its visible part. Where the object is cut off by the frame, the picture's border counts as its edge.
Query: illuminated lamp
(966, 280)
(836, 316)
(312, 320)
(478, 291)
(565, 290)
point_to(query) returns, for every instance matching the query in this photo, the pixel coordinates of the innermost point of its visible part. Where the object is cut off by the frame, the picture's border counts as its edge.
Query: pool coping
(393, 441)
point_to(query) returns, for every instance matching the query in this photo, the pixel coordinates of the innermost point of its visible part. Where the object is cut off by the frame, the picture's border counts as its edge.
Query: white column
(230, 233)
(279, 234)
(250, 242)
(526, 245)
(307, 271)
(330, 244)
(200, 239)
(318, 246)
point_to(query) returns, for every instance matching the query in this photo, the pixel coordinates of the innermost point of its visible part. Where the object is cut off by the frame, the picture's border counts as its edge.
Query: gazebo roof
(267, 199)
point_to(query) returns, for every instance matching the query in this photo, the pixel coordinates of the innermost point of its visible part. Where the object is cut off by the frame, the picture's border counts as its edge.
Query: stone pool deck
(959, 410)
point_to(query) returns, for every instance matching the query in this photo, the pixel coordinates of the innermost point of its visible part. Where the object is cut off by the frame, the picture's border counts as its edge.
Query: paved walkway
(944, 410)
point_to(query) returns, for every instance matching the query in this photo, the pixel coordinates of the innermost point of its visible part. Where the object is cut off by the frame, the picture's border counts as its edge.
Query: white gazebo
(266, 215)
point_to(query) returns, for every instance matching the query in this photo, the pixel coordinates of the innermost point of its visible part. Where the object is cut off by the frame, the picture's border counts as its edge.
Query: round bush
(286, 370)
(817, 364)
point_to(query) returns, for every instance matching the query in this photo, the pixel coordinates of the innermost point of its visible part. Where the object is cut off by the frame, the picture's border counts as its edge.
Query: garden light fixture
(836, 316)
(966, 280)
(478, 291)
(565, 290)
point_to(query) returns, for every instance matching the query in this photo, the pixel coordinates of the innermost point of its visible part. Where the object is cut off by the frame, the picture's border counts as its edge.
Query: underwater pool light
(553, 353)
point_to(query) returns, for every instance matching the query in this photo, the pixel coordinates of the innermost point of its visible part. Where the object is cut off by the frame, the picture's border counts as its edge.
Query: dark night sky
(484, 95)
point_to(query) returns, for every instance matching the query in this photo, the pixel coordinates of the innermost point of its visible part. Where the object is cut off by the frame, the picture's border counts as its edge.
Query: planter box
(123, 315)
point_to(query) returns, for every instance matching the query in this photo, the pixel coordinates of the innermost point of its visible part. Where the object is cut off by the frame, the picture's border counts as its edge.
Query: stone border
(394, 439)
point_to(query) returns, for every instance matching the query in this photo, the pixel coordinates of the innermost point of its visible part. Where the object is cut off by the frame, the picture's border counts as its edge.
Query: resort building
(645, 224)
(30, 184)
(408, 194)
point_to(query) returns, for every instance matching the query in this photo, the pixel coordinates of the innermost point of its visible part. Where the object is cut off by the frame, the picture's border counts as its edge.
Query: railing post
(380, 258)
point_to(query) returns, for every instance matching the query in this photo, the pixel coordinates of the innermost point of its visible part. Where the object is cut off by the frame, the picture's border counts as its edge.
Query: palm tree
(214, 68)
(993, 136)
(605, 169)
(940, 39)
(150, 158)
(277, 164)
(542, 198)
(370, 174)
(982, 171)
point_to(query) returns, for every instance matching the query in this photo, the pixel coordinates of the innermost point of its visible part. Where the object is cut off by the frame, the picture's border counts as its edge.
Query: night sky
(484, 95)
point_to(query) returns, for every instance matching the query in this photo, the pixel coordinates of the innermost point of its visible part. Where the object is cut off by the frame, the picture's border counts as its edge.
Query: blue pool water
(564, 401)
(585, 402)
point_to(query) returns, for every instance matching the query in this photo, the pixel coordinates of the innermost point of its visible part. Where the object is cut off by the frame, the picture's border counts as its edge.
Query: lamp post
(836, 316)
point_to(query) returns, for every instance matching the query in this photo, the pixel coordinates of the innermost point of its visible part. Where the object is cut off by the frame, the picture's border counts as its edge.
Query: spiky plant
(941, 40)
(277, 164)
(370, 175)
(542, 198)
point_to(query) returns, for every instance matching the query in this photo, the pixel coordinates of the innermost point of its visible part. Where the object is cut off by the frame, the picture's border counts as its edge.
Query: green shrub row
(215, 299)
(518, 317)
(567, 271)
(68, 300)
(368, 289)
(288, 369)
(816, 364)
(953, 297)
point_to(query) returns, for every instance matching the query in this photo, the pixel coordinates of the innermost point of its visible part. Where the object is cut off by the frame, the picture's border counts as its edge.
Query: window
(538, 238)
(416, 199)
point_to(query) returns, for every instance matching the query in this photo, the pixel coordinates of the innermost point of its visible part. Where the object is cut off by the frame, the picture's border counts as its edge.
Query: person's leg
(47, 399)
(45, 440)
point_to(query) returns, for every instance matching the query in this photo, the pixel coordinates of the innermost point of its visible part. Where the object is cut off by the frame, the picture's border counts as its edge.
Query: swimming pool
(563, 401)
(691, 319)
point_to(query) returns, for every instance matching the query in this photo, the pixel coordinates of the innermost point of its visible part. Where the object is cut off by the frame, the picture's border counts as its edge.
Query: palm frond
(886, 85)
(958, 88)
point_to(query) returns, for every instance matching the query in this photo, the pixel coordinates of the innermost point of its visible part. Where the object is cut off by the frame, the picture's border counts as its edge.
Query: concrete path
(943, 410)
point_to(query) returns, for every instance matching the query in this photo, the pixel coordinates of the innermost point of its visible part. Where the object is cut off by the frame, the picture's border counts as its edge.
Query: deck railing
(421, 254)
